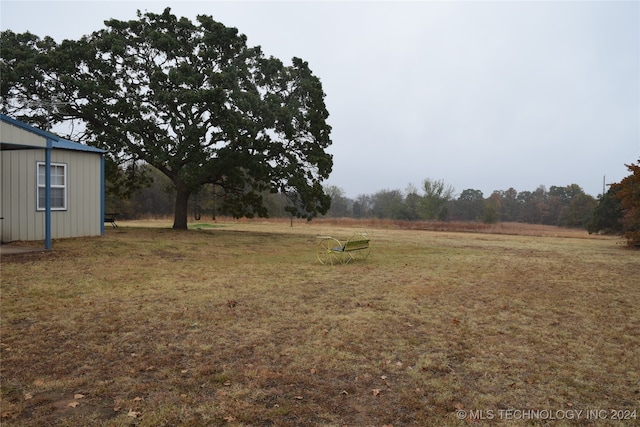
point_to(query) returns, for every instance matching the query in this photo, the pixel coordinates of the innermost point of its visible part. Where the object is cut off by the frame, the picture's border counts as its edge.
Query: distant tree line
(155, 194)
(435, 200)
(615, 212)
(567, 206)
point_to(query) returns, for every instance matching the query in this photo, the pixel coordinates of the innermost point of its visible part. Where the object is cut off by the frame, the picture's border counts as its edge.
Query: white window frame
(55, 185)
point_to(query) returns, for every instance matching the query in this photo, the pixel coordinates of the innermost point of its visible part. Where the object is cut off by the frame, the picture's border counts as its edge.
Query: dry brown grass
(240, 325)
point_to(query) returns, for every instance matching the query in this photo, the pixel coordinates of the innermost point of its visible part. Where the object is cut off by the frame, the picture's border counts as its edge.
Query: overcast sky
(483, 95)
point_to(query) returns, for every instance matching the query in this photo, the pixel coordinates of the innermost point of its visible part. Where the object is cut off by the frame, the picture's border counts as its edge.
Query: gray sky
(483, 95)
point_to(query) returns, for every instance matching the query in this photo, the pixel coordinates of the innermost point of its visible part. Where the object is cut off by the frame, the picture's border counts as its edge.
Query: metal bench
(111, 218)
(332, 251)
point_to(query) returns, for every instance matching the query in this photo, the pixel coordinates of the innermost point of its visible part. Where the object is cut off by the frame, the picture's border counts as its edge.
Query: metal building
(50, 188)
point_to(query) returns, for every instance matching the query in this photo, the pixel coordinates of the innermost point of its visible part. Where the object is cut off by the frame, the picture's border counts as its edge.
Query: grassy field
(236, 323)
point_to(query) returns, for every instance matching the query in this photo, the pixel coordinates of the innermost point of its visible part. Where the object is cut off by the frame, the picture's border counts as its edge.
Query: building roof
(56, 141)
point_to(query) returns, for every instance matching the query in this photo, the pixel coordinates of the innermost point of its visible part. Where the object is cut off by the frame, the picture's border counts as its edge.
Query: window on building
(58, 186)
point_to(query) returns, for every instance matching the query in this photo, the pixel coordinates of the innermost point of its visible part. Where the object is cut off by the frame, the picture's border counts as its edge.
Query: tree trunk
(181, 208)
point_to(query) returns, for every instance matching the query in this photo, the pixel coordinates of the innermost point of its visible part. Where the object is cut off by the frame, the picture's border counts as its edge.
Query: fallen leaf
(137, 399)
(298, 397)
(227, 383)
(312, 371)
(229, 419)
(73, 404)
(376, 391)
(133, 414)
(384, 377)
(184, 371)
(38, 383)
(28, 396)
(78, 396)
(117, 404)
(398, 363)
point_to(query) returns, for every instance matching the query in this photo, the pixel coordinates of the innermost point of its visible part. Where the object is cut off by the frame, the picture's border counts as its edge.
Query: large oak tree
(189, 98)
